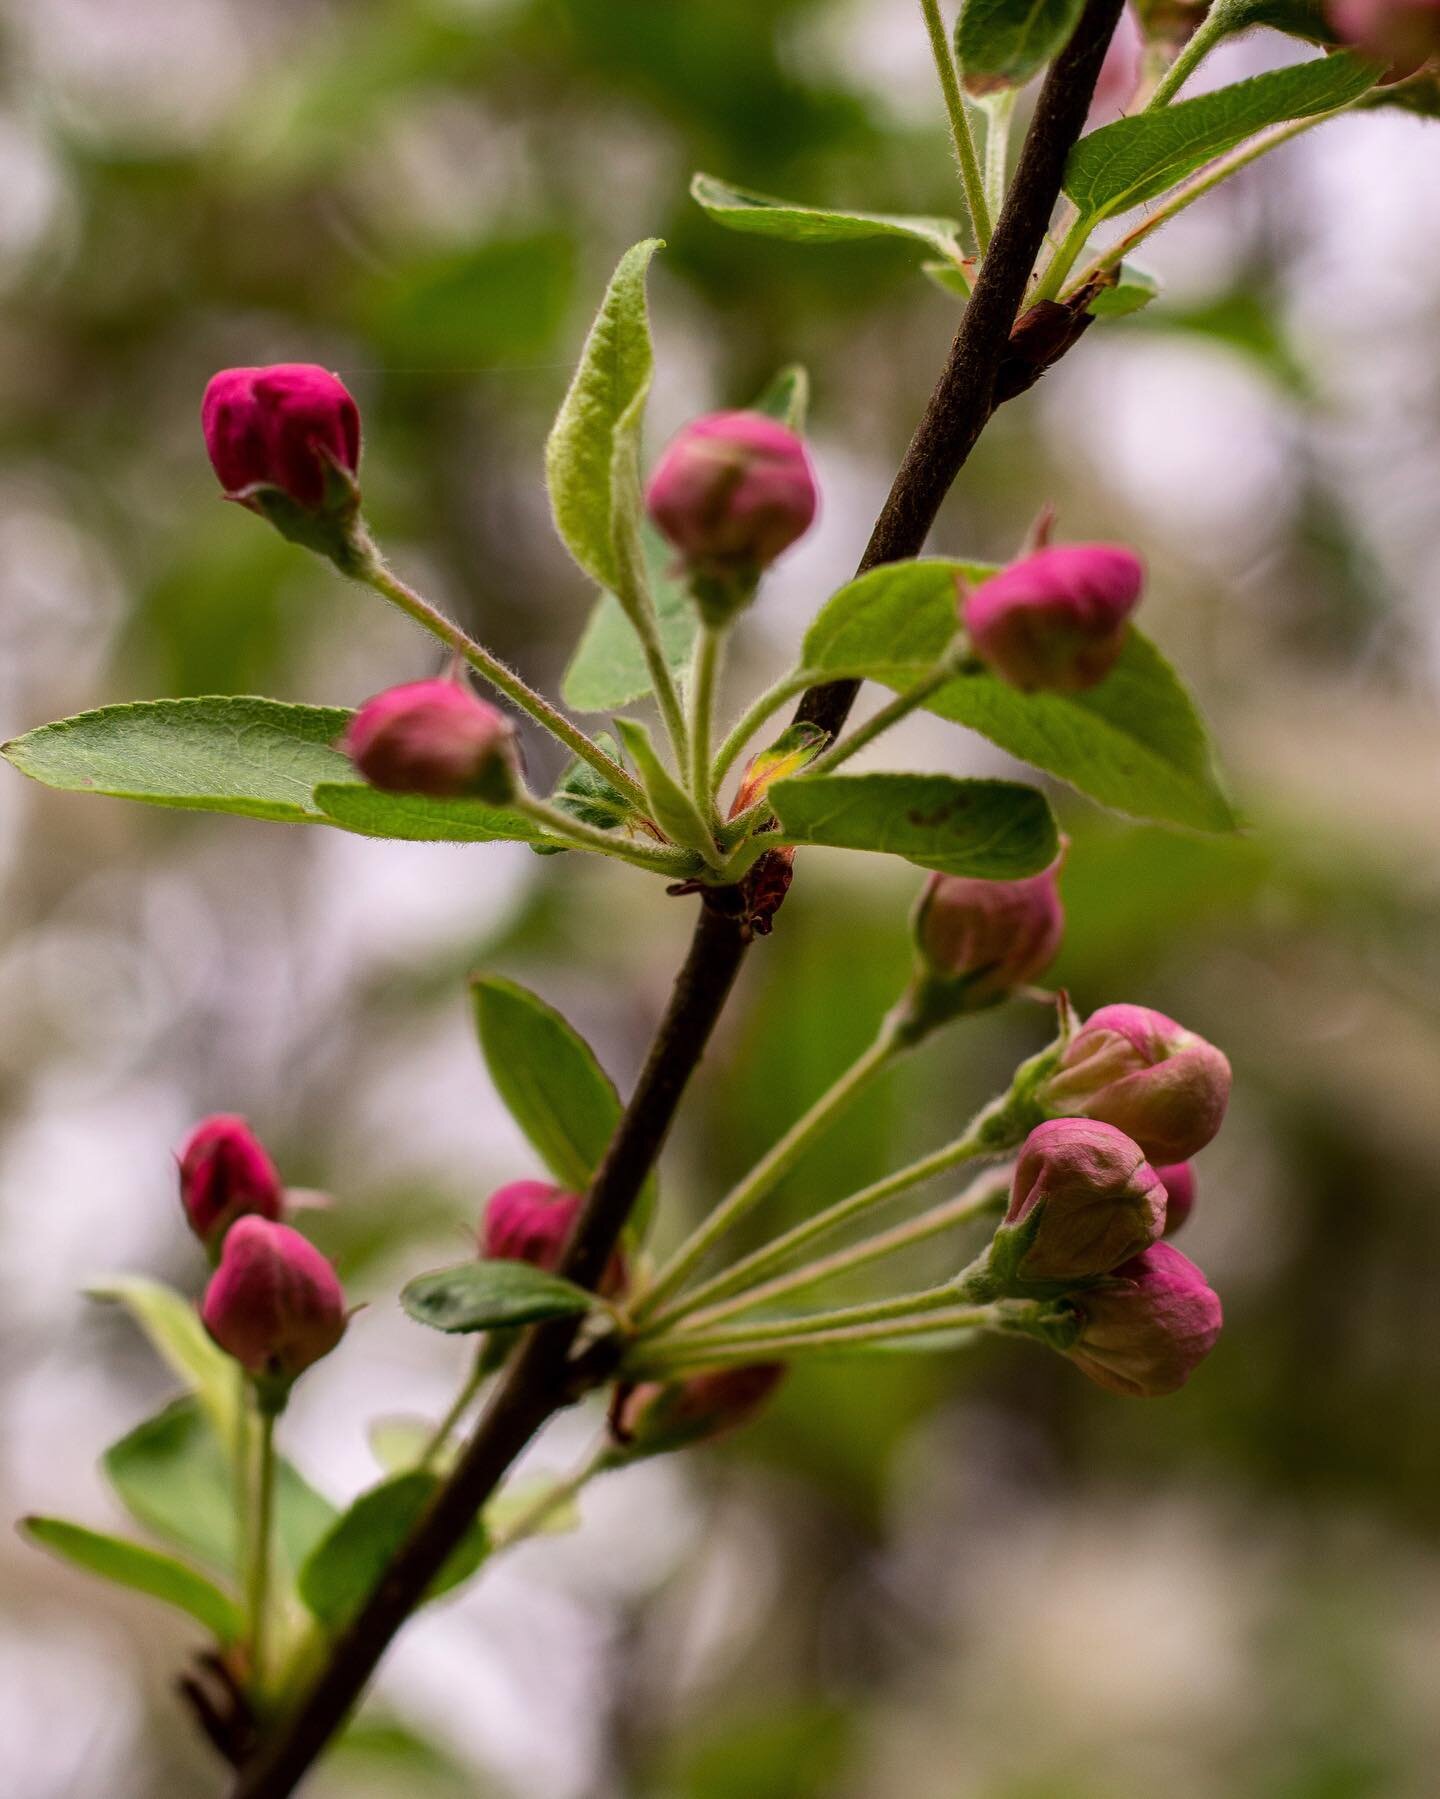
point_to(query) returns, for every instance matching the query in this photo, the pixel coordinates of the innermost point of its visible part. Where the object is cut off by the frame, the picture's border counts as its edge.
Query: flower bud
(436, 738)
(1145, 1074)
(281, 427)
(732, 492)
(1178, 1179)
(530, 1221)
(989, 936)
(657, 1417)
(1093, 1198)
(1055, 621)
(1145, 1329)
(1402, 34)
(226, 1174)
(274, 1302)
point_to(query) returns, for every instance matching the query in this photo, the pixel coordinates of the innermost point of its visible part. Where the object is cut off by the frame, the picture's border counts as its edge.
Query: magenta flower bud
(274, 1303)
(530, 1221)
(280, 427)
(1403, 35)
(1055, 621)
(1179, 1183)
(732, 492)
(1145, 1329)
(1095, 1200)
(226, 1174)
(657, 1417)
(1145, 1074)
(992, 936)
(436, 738)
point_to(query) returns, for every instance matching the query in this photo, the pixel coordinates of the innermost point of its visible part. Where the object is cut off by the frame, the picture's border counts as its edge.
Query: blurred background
(952, 1578)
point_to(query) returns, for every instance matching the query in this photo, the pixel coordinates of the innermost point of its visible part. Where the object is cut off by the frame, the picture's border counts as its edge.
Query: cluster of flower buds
(436, 738)
(1055, 621)
(979, 941)
(274, 1302)
(731, 492)
(531, 1221)
(1403, 35)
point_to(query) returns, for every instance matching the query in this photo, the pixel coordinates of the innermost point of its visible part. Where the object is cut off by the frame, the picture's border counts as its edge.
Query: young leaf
(142, 1570)
(523, 1496)
(481, 1296)
(786, 397)
(1137, 159)
(670, 806)
(259, 758)
(347, 1562)
(993, 829)
(891, 625)
(584, 793)
(949, 277)
(765, 216)
(398, 1443)
(173, 1327)
(1002, 43)
(611, 381)
(171, 1474)
(419, 819)
(1133, 289)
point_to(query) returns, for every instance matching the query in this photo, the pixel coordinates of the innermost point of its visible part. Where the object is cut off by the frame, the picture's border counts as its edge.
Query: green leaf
(398, 1443)
(345, 1565)
(1002, 43)
(949, 277)
(520, 1497)
(670, 806)
(584, 793)
(1134, 288)
(490, 1295)
(997, 830)
(609, 386)
(891, 625)
(786, 397)
(260, 758)
(173, 1327)
(419, 819)
(1137, 159)
(764, 216)
(1420, 95)
(142, 1570)
(171, 1474)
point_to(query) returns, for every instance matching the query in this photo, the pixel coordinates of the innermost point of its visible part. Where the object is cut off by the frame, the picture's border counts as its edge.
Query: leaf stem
(445, 1429)
(1216, 25)
(373, 570)
(960, 132)
(535, 1517)
(677, 863)
(750, 721)
(675, 1355)
(709, 651)
(638, 605)
(261, 1477)
(891, 714)
(1063, 260)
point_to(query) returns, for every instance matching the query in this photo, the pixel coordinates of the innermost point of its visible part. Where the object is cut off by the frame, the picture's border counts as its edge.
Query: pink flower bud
(657, 1417)
(1145, 1330)
(530, 1221)
(1098, 1200)
(1145, 1074)
(1179, 1182)
(224, 1175)
(275, 427)
(1402, 34)
(436, 738)
(732, 492)
(993, 936)
(274, 1302)
(1055, 621)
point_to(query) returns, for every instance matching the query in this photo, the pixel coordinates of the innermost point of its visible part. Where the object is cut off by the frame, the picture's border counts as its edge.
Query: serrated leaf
(610, 383)
(1419, 95)
(259, 758)
(491, 1295)
(996, 830)
(670, 805)
(172, 1326)
(142, 1570)
(345, 1565)
(416, 818)
(892, 624)
(1137, 159)
(1002, 43)
(1133, 289)
(765, 216)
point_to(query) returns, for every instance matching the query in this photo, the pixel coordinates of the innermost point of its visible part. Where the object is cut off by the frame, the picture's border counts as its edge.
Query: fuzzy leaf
(997, 830)
(491, 1295)
(417, 818)
(891, 625)
(1002, 43)
(351, 1557)
(609, 385)
(671, 806)
(1137, 159)
(584, 793)
(172, 1325)
(259, 758)
(142, 1570)
(765, 216)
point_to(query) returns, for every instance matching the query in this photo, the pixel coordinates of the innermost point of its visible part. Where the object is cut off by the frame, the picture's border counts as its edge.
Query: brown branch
(539, 1381)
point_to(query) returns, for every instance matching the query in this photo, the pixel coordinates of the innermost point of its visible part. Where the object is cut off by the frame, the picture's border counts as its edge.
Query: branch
(539, 1381)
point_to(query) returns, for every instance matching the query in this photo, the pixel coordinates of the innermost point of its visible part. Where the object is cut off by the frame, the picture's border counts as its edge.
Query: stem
(960, 132)
(668, 1360)
(1215, 26)
(1063, 260)
(547, 1503)
(772, 1168)
(375, 572)
(257, 1570)
(900, 707)
(804, 1324)
(750, 721)
(709, 648)
(672, 862)
(633, 593)
(999, 110)
(982, 1196)
(445, 1429)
